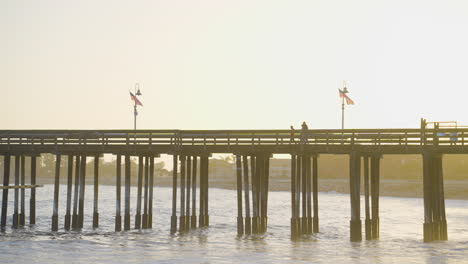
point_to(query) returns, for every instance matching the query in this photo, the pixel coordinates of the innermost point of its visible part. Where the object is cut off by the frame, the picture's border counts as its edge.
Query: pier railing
(395, 137)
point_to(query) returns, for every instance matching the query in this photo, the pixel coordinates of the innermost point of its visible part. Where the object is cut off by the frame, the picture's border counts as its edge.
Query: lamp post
(345, 91)
(136, 102)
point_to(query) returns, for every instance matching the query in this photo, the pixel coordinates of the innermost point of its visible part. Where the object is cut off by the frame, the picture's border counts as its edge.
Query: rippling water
(400, 237)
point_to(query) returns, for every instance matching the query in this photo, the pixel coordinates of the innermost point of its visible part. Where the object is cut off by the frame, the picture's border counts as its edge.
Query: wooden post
(182, 194)
(174, 195)
(16, 202)
(6, 182)
(434, 171)
(56, 193)
(304, 224)
(248, 225)
(266, 173)
(253, 162)
(240, 218)
(298, 194)
(69, 192)
(145, 194)
(150, 195)
(118, 182)
(96, 193)
(294, 230)
(355, 223)
(443, 220)
(207, 216)
(22, 216)
(189, 188)
(375, 182)
(194, 193)
(32, 199)
(309, 194)
(76, 192)
(428, 224)
(140, 183)
(82, 192)
(368, 223)
(127, 193)
(315, 193)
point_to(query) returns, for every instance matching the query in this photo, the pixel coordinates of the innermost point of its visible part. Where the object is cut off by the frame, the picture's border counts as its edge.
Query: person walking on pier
(304, 130)
(293, 131)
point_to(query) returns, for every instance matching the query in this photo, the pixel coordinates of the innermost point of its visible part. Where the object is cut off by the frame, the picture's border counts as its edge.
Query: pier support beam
(203, 219)
(75, 219)
(67, 223)
(32, 199)
(145, 195)
(182, 194)
(150, 194)
(127, 193)
(16, 201)
(118, 182)
(355, 223)
(22, 215)
(240, 218)
(368, 222)
(375, 194)
(248, 223)
(188, 174)
(96, 193)
(139, 193)
(315, 193)
(82, 191)
(56, 193)
(174, 194)
(193, 219)
(6, 182)
(294, 220)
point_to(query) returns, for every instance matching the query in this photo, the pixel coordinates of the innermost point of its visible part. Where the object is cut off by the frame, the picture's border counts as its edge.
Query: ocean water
(400, 234)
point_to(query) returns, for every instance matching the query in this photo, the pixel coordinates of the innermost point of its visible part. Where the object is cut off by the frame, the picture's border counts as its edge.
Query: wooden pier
(191, 150)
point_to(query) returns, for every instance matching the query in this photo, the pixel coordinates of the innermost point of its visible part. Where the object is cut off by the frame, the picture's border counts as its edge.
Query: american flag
(348, 100)
(135, 99)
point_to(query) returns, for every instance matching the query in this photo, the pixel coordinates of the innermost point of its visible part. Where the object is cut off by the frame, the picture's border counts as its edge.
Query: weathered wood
(375, 187)
(76, 192)
(266, 188)
(96, 193)
(127, 193)
(182, 194)
(188, 174)
(201, 216)
(56, 194)
(145, 194)
(367, 223)
(194, 193)
(139, 192)
(443, 220)
(6, 182)
(315, 194)
(298, 194)
(22, 216)
(150, 194)
(174, 194)
(118, 189)
(355, 222)
(82, 191)
(294, 231)
(240, 218)
(16, 201)
(428, 224)
(67, 223)
(206, 207)
(248, 225)
(32, 199)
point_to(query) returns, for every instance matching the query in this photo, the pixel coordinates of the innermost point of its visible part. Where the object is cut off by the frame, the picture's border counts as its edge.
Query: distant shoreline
(392, 188)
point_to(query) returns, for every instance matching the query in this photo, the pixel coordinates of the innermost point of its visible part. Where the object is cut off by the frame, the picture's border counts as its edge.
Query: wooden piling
(266, 178)
(201, 199)
(139, 192)
(355, 222)
(182, 194)
(309, 194)
(6, 182)
(56, 193)
(443, 220)
(428, 225)
(22, 215)
(189, 189)
(248, 225)
(76, 192)
(298, 194)
(194, 193)
(82, 191)
(206, 221)
(16, 201)
(294, 231)
(240, 218)
(145, 194)
(375, 193)
(32, 199)
(255, 174)
(368, 224)
(67, 223)
(174, 195)
(118, 182)
(96, 193)
(150, 194)
(315, 193)
(304, 223)
(127, 193)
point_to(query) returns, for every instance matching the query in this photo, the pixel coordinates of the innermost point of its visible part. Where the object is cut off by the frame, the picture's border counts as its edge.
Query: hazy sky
(232, 64)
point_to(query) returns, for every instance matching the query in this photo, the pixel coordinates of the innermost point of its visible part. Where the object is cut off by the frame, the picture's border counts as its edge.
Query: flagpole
(342, 113)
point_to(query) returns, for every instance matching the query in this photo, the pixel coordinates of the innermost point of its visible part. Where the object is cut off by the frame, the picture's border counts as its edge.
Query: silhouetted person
(292, 134)
(304, 130)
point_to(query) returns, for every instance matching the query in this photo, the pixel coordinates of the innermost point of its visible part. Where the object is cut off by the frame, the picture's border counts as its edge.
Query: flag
(348, 100)
(135, 99)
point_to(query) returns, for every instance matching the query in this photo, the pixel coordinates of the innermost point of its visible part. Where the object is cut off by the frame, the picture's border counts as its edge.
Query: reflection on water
(400, 238)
